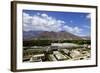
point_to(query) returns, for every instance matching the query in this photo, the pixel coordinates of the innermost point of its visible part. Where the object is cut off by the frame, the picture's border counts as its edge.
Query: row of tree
(48, 42)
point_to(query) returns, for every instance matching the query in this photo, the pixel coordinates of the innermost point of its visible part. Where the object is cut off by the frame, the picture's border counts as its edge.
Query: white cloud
(44, 15)
(43, 22)
(26, 18)
(74, 30)
(88, 16)
(86, 26)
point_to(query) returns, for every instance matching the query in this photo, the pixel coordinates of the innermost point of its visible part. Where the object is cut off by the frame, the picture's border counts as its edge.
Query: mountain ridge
(50, 35)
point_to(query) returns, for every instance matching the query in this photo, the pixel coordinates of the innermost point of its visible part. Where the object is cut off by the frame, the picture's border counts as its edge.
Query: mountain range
(51, 35)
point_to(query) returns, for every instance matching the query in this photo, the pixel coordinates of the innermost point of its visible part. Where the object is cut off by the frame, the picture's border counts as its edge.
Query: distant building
(89, 46)
(59, 56)
(51, 57)
(37, 58)
(64, 45)
(75, 53)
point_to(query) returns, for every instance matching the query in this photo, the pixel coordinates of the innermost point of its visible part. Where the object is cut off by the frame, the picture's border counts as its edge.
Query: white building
(64, 44)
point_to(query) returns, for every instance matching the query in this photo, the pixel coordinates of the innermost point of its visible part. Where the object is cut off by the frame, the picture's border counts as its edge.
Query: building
(37, 58)
(59, 56)
(64, 45)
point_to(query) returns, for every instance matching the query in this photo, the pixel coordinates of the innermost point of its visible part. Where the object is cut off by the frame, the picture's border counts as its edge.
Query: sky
(74, 22)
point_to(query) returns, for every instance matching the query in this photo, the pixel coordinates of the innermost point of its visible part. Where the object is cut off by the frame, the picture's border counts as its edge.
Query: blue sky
(73, 22)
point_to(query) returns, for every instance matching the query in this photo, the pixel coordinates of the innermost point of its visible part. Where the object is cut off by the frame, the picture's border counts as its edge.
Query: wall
(5, 37)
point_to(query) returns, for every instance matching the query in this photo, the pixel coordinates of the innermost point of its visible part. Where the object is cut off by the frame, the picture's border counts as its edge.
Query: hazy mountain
(58, 36)
(62, 35)
(27, 35)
